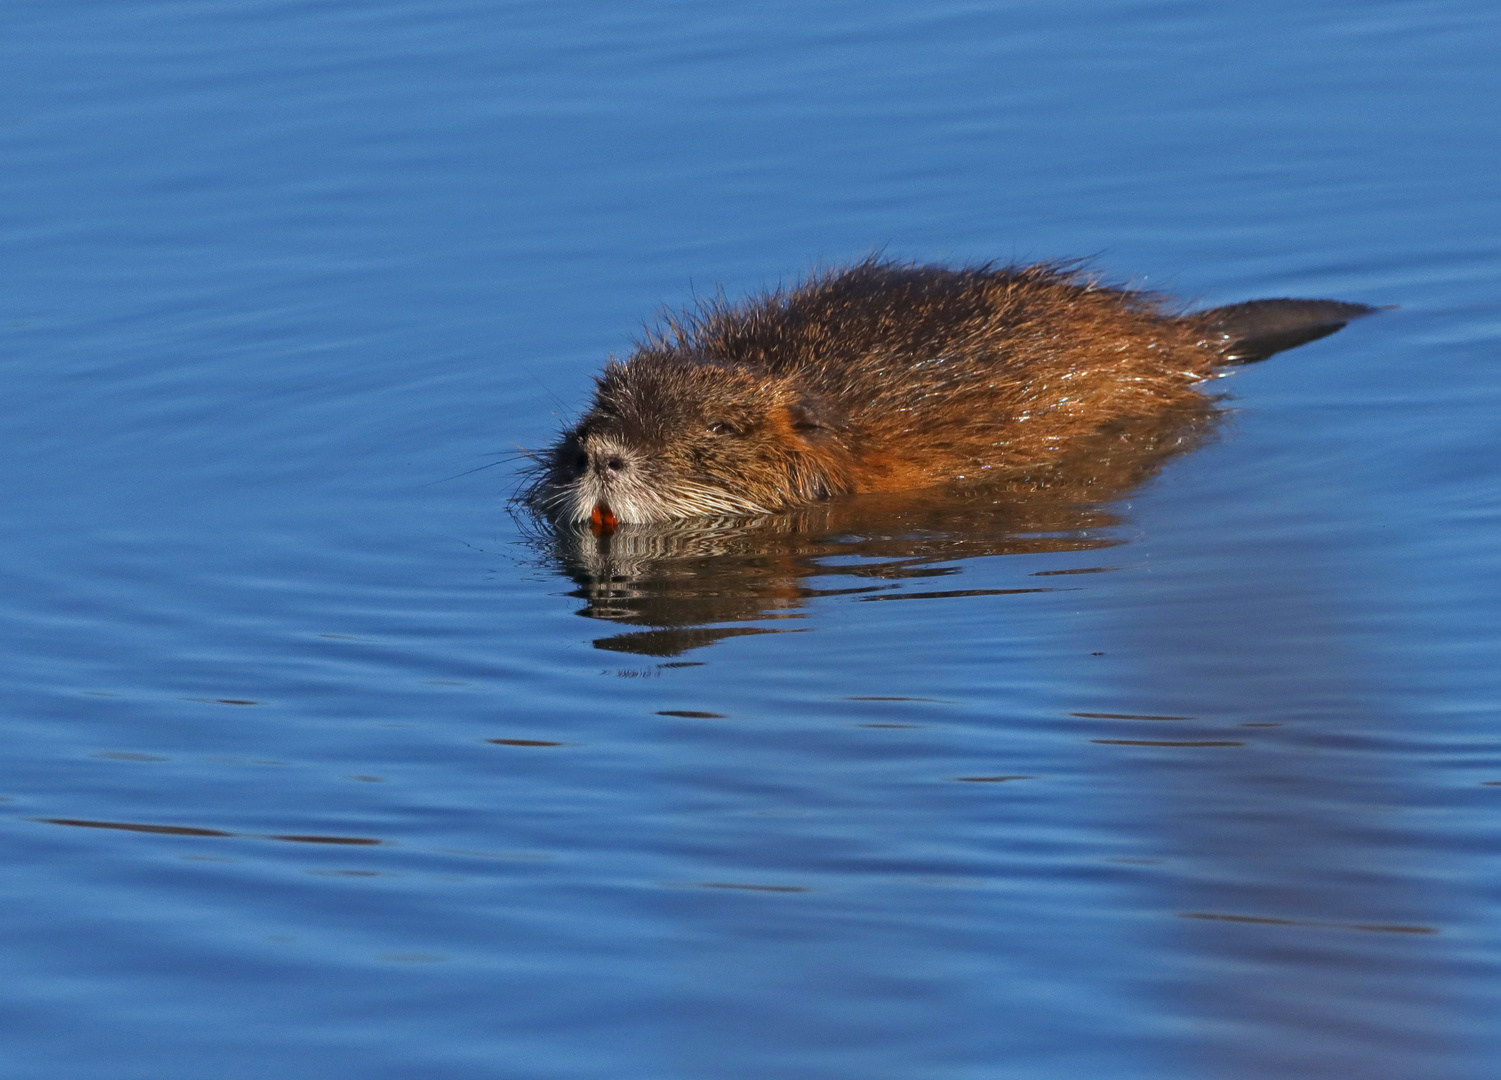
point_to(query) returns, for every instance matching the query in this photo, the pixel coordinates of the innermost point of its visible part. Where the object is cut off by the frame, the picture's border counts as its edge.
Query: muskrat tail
(1253, 330)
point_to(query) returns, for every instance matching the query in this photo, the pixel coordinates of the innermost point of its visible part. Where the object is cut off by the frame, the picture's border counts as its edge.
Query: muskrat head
(670, 437)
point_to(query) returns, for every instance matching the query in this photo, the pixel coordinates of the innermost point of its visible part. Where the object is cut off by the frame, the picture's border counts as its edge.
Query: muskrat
(888, 376)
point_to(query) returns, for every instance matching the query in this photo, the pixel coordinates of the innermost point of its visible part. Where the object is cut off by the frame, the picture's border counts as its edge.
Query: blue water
(313, 768)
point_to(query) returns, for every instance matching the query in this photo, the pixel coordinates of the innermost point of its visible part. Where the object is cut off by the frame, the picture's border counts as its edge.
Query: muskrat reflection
(693, 582)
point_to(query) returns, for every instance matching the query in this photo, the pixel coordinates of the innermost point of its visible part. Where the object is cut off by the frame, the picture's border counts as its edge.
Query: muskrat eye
(721, 427)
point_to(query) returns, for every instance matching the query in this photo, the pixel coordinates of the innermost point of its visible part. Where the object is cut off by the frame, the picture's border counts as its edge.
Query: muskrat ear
(811, 416)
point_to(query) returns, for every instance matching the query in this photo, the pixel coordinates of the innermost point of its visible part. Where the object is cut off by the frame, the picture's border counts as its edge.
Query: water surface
(322, 763)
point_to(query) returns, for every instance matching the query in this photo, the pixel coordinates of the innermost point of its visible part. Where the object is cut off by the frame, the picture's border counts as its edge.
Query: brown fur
(885, 377)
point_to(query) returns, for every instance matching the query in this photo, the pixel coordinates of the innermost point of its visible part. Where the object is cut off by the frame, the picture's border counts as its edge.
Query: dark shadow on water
(685, 585)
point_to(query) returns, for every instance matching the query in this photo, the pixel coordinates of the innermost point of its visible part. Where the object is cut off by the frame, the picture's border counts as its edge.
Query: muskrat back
(888, 376)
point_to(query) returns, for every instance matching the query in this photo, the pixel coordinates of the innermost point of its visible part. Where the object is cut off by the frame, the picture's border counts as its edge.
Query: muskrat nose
(610, 465)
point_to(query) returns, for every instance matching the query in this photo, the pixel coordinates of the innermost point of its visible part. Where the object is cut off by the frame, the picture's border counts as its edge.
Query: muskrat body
(888, 377)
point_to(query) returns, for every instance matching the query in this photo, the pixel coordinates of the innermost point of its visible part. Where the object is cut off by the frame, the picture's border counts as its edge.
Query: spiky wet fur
(884, 376)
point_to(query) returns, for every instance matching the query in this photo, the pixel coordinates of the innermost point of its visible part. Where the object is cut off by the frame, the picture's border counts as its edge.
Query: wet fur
(888, 377)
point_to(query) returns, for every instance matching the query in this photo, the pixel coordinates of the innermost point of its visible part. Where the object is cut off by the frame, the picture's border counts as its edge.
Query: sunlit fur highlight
(883, 376)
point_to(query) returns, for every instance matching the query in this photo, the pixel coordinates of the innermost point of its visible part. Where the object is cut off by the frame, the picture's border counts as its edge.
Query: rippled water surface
(313, 767)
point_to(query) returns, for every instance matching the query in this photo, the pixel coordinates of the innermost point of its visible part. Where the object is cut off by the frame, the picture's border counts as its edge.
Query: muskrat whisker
(467, 472)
